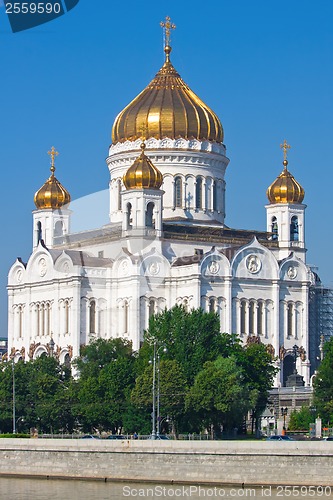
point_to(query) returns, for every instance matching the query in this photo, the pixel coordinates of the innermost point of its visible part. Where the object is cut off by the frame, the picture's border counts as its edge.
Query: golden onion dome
(167, 107)
(285, 189)
(143, 174)
(52, 195)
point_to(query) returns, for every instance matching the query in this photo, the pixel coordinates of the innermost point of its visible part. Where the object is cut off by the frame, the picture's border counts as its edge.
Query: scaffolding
(320, 319)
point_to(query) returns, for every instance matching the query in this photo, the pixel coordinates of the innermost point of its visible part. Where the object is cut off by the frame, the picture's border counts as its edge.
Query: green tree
(323, 384)
(172, 392)
(259, 371)
(106, 378)
(42, 396)
(219, 397)
(300, 420)
(191, 337)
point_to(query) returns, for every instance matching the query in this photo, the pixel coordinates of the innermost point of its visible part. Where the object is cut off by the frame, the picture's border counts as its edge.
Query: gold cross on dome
(53, 153)
(167, 27)
(285, 146)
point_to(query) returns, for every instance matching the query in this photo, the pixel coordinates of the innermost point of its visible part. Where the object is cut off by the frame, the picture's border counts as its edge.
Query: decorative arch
(150, 222)
(294, 228)
(274, 229)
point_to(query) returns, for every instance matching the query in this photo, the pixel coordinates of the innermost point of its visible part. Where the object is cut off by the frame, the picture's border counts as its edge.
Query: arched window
(214, 196)
(66, 306)
(47, 318)
(129, 215)
(150, 215)
(58, 228)
(39, 231)
(41, 320)
(119, 194)
(294, 229)
(290, 320)
(126, 313)
(178, 195)
(67, 361)
(212, 305)
(198, 193)
(152, 307)
(92, 317)
(260, 318)
(274, 229)
(251, 317)
(20, 321)
(243, 317)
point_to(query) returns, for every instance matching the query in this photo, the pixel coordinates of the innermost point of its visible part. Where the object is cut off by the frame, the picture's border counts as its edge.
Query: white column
(228, 305)
(74, 317)
(276, 320)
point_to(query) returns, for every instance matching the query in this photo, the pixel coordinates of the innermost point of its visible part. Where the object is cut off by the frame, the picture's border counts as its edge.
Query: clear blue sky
(265, 67)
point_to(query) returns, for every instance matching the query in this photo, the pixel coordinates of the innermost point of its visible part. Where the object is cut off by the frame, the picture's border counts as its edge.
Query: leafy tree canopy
(323, 384)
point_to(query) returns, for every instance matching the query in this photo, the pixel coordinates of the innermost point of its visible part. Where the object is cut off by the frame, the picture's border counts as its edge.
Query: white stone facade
(108, 282)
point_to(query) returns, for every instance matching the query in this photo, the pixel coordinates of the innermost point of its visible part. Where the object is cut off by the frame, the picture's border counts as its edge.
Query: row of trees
(208, 380)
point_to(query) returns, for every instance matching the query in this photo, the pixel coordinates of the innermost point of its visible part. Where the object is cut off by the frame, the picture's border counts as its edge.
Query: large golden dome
(143, 174)
(167, 107)
(285, 189)
(52, 195)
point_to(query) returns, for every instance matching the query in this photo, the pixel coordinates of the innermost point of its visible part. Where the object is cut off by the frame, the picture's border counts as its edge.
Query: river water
(43, 489)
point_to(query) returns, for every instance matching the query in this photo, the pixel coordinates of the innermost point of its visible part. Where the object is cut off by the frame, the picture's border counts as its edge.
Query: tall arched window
(214, 196)
(126, 314)
(178, 195)
(66, 306)
(47, 318)
(58, 228)
(92, 317)
(294, 229)
(274, 229)
(251, 317)
(212, 305)
(20, 321)
(67, 361)
(129, 215)
(152, 307)
(260, 311)
(243, 317)
(119, 194)
(150, 215)
(41, 320)
(39, 231)
(198, 193)
(290, 320)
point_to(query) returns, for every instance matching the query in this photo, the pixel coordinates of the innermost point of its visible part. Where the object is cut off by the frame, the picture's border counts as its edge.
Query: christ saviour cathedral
(166, 243)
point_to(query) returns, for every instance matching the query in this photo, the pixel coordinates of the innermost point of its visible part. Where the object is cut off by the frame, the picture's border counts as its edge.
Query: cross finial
(53, 153)
(167, 26)
(285, 146)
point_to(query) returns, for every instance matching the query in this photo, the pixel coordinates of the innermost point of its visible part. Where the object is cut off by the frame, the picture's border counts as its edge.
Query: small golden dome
(167, 107)
(143, 174)
(52, 195)
(285, 189)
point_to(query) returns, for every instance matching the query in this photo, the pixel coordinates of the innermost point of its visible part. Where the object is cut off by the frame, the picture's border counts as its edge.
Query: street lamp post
(158, 390)
(154, 426)
(14, 397)
(284, 412)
